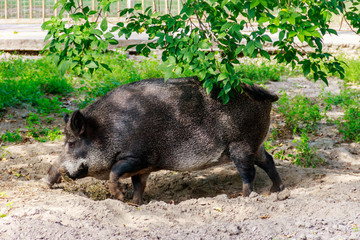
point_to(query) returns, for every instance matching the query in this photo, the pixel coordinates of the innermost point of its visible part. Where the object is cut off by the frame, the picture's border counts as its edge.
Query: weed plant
(300, 112)
(262, 72)
(352, 69)
(40, 133)
(11, 136)
(305, 154)
(349, 123)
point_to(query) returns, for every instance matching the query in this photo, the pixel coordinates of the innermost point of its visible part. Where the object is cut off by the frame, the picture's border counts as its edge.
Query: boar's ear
(77, 123)
(66, 118)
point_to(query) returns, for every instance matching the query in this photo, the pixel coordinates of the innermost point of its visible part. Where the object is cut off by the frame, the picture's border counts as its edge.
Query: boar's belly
(190, 160)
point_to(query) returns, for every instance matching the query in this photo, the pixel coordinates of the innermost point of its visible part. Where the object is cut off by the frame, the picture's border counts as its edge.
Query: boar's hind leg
(266, 162)
(139, 183)
(243, 158)
(122, 168)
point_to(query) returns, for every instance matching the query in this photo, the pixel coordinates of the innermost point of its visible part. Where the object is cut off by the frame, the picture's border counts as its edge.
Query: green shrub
(46, 105)
(349, 125)
(261, 73)
(305, 154)
(11, 136)
(352, 69)
(300, 112)
(54, 85)
(40, 133)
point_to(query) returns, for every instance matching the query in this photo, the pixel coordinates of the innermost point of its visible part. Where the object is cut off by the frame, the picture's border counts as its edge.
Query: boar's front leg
(125, 168)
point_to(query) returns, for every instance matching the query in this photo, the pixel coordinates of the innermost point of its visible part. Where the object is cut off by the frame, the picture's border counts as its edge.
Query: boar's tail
(258, 93)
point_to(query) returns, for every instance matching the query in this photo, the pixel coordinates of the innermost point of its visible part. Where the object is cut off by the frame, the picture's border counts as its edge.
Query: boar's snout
(53, 176)
(81, 172)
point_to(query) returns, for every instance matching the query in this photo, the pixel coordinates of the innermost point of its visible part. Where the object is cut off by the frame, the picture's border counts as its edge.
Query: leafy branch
(78, 45)
(188, 40)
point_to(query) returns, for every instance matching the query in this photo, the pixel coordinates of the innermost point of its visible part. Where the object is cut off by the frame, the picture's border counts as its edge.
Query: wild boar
(151, 125)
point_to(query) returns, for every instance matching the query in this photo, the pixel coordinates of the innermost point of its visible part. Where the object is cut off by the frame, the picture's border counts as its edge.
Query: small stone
(299, 224)
(253, 195)
(308, 225)
(233, 229)
(302, 236)
(285, 194)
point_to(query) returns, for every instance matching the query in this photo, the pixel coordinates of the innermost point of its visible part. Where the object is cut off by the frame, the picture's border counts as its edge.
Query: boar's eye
(71, 144)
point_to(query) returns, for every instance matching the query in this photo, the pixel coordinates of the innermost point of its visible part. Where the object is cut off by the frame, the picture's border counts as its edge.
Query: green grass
(300, 112)
(29, 81)
(352, 69)
(262, 71)
(11, 136)
(305, 154)
(349, 101)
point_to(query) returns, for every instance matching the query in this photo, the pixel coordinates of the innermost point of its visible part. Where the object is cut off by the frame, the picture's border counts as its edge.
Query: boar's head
(83, 154)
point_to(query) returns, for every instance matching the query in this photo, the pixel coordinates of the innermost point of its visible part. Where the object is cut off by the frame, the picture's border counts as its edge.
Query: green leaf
(104, 25)
(254, 3)
(249, 48)
(266, 38)
(211, 55)
(86, 10)
(114, 29)
(108, 35)
(48, 36)
(92, 12)
(96, 32)
(64, 66)
(291, 20)
(92, 64)
(204, 44)
(188, 56)
(120, 24)
(209, 86)
(281, 35)
(265, 54)
(238, 50)
(106, 67)
(138, 6)
(178, 70)
(332, 31)
(139, 47)
(226, 26)
(301, 37)
(146, 51)
(222, 76)
(113, 41)
(263, 19)
(316, 34)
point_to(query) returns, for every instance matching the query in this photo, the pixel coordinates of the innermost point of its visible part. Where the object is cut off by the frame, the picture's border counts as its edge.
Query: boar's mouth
(80, 173)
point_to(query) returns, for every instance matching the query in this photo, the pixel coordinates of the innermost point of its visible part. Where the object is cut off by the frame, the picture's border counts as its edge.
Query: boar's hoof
(138, 201)
(277, 188)
(115, 190)
(247, 189)
(53, 176)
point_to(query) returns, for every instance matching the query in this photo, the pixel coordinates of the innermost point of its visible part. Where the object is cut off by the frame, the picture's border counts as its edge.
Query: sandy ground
(319, 203)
